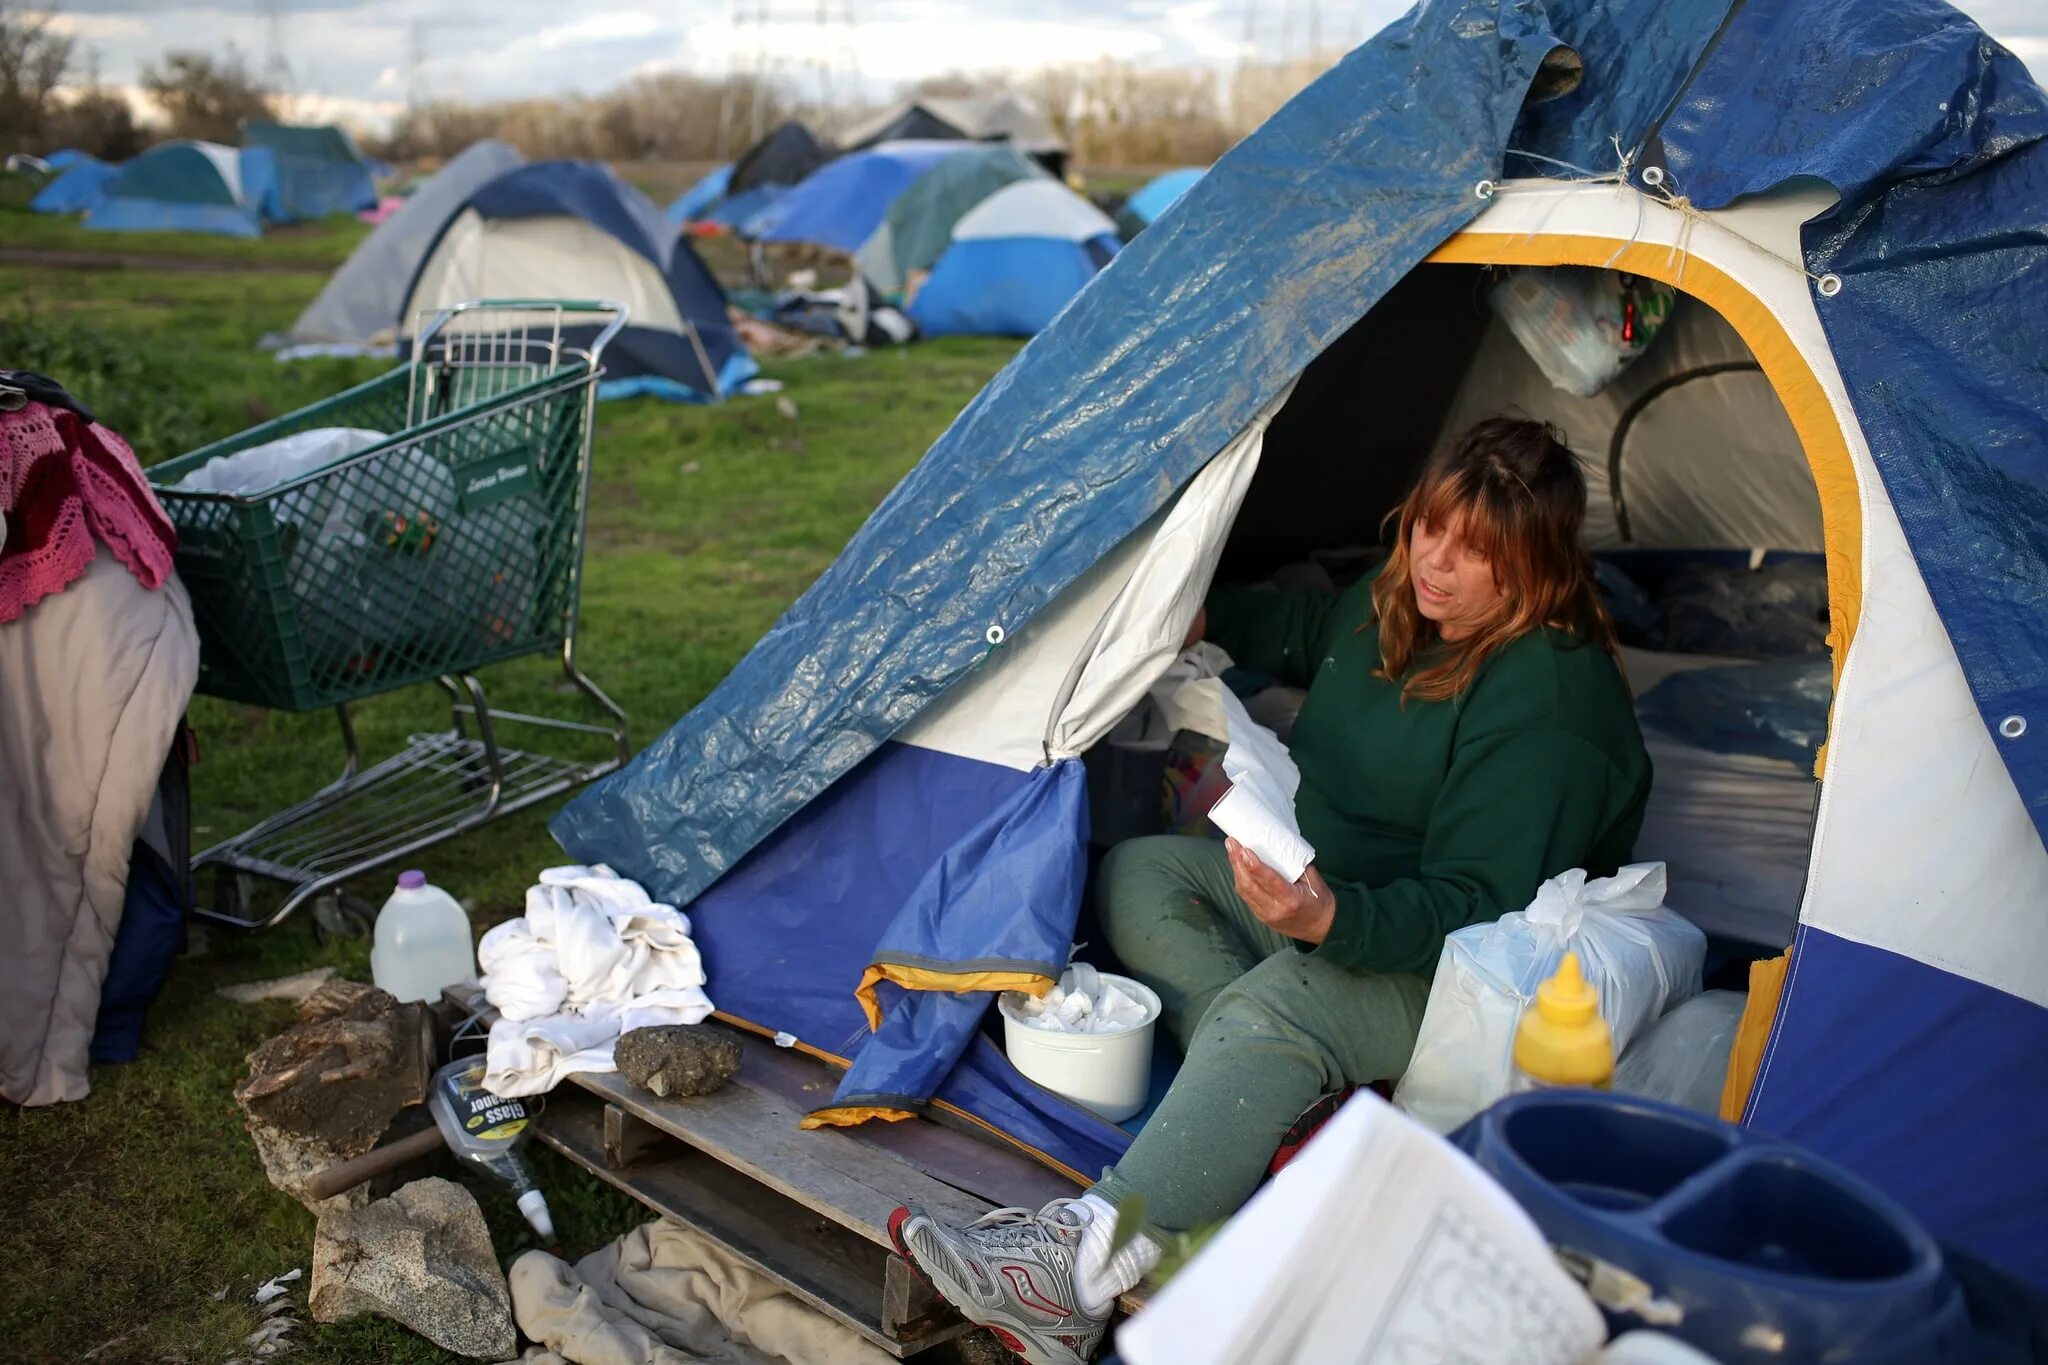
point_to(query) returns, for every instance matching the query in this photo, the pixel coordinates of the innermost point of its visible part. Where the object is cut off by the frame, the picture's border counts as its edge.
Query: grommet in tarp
(1829, 286)
(1653, 176)
(994, 635)
(1483, 190)
(2012, 727)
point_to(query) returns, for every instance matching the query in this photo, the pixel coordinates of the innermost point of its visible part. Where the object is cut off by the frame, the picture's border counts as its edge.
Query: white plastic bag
(1642, 957)
(1581, 326)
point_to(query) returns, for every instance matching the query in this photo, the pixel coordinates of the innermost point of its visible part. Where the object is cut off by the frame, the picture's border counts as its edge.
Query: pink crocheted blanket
(66, 483)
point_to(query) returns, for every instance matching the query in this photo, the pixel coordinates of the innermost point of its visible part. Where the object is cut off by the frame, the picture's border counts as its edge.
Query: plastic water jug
(422, 942)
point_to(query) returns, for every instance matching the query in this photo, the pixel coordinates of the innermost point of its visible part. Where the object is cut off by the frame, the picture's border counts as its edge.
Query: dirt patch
(191, 265)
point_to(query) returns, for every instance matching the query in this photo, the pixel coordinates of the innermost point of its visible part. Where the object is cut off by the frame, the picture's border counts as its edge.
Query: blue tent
(574, 230)
(690, 205)
(1158, 195)
(319, 169)
(1014, 261)
(64, 158)
(191, 187)
(842, 203)
(77, 188)
(876, 819)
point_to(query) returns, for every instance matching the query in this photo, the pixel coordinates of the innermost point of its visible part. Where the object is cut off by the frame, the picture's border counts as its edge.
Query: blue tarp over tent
(1936, 141)
(319, 169)
(690, 205)
(842, 203)
(77, 188)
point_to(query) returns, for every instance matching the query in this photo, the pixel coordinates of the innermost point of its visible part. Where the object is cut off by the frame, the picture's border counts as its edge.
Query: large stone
(422, 1258)
(290, 1161)
(674, 1060)
(339, 1077)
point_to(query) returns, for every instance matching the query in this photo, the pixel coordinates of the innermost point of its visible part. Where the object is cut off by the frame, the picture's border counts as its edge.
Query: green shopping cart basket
(420, 527)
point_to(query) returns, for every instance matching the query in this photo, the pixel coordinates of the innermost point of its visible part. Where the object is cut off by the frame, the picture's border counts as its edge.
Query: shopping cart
(454, 543)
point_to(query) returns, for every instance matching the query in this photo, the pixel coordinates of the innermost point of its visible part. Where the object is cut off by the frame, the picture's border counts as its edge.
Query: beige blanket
(665, 1295)
(92, 683)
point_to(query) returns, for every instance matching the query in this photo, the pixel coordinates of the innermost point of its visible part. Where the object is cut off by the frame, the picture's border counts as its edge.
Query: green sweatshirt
(1431, 815)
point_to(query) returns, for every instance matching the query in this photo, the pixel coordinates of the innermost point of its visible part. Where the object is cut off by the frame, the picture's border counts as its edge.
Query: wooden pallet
(810, 1210)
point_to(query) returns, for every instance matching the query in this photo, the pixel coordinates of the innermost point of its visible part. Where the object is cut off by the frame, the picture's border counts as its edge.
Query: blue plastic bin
(1772, 1254)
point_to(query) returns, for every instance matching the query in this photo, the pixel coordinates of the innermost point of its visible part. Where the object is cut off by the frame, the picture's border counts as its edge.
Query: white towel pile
(592, 958)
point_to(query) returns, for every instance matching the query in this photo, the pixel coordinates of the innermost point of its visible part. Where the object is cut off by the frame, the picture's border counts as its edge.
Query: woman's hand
(1301, 910)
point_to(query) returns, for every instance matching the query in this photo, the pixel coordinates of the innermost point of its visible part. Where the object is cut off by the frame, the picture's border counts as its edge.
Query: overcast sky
(357, 54)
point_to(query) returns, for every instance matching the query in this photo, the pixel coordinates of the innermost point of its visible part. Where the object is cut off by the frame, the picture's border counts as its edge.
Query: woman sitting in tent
(1466, 735)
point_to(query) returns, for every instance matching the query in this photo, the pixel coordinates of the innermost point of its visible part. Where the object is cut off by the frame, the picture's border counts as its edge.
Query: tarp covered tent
(875, 818)
(1014, 261)
(360, 304)
(694, 202)
(319, 170)
(191, 187)
(574, 230)
(974, 118)
(1155, 197)
(914, 232)
(77, 187)
(843, 203)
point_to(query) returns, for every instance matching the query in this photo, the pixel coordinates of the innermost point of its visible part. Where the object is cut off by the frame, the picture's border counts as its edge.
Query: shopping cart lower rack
(412, 530)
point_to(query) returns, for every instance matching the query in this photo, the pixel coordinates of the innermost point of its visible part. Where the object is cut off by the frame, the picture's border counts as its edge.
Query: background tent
(64, 158)
(191, 187)
(77, 187)
(918, 225)
(788, 154)
(843, 203)
(574, 230)
(1014, 261)
(692, 203)
(973, 118)
(360, 304)
(319, 170)
(1155, 197)
(875, 817)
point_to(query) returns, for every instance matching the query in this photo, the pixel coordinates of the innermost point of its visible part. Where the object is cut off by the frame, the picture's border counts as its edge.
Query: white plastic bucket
(1109, 1073)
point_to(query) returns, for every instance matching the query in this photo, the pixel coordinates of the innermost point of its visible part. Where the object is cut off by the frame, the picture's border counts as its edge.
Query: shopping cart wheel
(336, 916)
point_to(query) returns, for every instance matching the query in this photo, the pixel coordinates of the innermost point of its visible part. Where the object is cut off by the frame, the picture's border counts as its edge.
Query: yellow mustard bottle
(1562, 1040)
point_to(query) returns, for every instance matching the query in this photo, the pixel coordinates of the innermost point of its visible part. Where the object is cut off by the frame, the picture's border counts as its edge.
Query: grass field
(128, 1211)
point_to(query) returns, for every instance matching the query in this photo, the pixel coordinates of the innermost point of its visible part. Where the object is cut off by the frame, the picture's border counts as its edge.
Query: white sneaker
(1012, 1272)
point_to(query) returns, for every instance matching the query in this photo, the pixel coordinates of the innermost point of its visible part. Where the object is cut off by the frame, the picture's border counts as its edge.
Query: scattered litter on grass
(105, 1346)
(220, 1295)
(295, 987)
(266, 1341)
(761, 384)
(271, 1289)
(786, 405)
(692, 466)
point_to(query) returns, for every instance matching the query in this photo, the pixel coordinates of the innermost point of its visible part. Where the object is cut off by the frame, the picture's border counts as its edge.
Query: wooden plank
(834, 1270)
(629, 1140)
(982, 1165)
(755, 1132)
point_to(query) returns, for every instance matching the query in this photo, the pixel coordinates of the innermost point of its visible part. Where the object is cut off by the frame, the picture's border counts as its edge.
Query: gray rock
(422, 1258)
(678, 1059)
(290, 1161)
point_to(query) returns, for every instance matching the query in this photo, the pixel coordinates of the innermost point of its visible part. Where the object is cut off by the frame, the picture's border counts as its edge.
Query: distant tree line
(1111, 113)
(51, 95)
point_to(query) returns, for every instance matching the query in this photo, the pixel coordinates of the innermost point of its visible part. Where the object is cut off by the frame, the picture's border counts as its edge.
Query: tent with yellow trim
(881, 816)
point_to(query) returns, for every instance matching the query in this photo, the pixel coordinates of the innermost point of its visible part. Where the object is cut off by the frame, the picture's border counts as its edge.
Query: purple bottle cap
(411, 881)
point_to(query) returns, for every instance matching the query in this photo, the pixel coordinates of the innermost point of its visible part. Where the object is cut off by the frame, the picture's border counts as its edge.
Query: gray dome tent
(362, 299)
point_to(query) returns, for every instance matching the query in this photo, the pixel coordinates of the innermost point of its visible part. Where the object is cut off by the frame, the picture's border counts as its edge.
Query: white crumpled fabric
(593, 957)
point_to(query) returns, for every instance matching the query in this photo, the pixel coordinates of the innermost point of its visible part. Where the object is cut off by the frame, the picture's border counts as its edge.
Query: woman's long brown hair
(1516, 492)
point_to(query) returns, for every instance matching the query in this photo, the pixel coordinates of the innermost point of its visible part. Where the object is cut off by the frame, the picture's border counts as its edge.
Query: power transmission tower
(277, 70)
(416, 65)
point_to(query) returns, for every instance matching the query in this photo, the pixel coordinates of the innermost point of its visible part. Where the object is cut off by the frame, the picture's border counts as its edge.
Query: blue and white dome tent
(1014, 261)
(1155, 197)
(191, 187)
(79, 184)
(574, 230)
(879, 817)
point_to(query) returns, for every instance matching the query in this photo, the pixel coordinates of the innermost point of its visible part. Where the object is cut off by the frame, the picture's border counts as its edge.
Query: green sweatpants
(1267, 1028)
